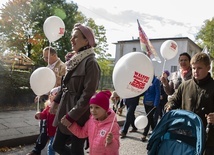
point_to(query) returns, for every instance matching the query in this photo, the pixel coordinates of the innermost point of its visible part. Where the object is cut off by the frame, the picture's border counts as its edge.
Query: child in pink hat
(102, 128)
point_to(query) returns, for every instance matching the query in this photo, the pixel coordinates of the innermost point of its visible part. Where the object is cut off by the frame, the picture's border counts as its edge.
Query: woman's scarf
(77, 58)
(184, 72)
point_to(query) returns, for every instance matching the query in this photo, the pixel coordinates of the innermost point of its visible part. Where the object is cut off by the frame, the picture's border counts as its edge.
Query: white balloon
(132, 74)
(169, 49)
(42, 80)
(54, 28)
(141, 122)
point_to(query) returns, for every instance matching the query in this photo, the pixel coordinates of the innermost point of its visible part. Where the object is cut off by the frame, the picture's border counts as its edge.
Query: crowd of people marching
(76, 113)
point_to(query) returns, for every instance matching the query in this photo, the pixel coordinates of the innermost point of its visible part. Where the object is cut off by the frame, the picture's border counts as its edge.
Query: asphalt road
(131, 145)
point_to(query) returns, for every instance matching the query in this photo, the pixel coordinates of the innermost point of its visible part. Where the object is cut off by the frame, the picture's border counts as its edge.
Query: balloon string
(113, 121)
(164, 65)
(112, 125)
(150, 111)
(49, 53)
(38, 104)
(114, 117)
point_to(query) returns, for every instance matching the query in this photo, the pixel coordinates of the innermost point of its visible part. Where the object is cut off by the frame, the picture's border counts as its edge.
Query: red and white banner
(146, 45)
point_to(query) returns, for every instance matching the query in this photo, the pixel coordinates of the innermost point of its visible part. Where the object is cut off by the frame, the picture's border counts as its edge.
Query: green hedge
(15, 88)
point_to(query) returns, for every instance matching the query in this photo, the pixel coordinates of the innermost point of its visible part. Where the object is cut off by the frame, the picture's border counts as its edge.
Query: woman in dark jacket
(78, 86)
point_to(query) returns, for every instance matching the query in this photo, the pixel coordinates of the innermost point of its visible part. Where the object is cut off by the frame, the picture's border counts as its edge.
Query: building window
(174, 68)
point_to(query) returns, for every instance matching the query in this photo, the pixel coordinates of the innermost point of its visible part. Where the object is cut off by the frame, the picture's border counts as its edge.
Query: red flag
(146, 45)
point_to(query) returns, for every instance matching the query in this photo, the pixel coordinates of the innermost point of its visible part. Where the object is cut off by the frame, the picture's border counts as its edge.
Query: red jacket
(45, 114)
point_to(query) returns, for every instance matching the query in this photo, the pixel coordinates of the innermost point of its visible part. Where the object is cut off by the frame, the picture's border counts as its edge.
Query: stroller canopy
(178, 132)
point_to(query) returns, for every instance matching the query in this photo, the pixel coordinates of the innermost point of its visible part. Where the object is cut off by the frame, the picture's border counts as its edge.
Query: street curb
(21, 141)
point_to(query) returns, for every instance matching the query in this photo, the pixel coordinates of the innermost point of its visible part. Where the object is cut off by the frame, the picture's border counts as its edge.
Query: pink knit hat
(87, 32)
(101, 99)
(55, 90)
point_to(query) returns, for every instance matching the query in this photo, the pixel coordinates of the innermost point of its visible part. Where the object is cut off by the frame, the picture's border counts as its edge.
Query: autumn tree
(15, 27)
(41, 10)
(205, 36)
(21, 30)
(21, 26)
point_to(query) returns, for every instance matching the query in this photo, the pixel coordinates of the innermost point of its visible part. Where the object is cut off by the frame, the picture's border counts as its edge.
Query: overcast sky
(159, 19)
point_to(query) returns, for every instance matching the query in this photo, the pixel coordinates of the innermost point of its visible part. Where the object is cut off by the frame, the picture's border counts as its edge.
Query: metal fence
(106, 83)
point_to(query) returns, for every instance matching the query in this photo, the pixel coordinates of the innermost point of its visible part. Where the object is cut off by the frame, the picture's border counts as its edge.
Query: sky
(159, 19)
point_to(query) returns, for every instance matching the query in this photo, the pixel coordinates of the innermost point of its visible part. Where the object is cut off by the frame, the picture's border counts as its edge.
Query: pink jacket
(97, 131)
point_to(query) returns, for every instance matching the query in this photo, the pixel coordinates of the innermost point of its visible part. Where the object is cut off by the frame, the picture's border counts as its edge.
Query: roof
(157, 39)
(17, 60)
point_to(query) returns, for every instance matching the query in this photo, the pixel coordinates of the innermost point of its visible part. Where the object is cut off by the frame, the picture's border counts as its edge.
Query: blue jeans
(50, 150)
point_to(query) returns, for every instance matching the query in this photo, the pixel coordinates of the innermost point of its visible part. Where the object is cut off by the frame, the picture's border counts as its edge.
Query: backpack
(179, 132)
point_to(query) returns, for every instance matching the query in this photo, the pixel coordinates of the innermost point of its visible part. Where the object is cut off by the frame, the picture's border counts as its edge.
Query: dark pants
(209, 151)
(156, 115)
(119, 104)
(42, 139)
(61, 147)
(130, 117)
(151, 123)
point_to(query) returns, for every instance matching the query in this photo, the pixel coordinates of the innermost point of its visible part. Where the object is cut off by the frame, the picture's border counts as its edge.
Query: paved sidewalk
(21, 128)
(18, 128)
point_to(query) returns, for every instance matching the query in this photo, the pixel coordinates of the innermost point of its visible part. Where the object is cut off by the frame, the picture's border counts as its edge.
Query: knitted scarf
(77, 58)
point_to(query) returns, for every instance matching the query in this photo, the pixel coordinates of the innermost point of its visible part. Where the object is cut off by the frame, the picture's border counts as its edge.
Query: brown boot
(120, 111)
(143, 138)
(122, 135)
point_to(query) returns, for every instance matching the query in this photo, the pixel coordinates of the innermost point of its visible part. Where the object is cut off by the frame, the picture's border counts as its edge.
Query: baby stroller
(179, 132)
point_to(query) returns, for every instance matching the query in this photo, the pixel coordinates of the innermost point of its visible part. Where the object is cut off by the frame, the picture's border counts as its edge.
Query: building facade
(184, 45)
